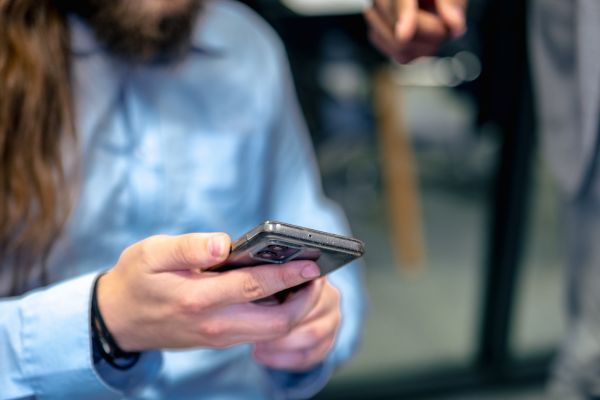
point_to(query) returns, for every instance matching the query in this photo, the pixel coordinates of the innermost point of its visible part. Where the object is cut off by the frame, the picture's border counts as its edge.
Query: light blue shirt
(213, 143)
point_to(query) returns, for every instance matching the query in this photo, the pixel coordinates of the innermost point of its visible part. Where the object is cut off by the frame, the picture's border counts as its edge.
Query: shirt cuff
(58, 349)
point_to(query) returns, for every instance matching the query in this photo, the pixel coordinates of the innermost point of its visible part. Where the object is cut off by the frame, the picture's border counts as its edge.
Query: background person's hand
(408, 29)
(308, 343)
(160, 295)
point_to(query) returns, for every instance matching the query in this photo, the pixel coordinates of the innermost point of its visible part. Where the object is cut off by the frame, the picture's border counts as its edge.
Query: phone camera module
(275, 252)
(277, 248)
(267, 254)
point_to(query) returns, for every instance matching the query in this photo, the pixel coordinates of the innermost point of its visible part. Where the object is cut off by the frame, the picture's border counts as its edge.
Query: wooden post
(399, 175)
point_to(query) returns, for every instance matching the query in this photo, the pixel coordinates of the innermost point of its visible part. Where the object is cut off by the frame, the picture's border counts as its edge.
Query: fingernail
(217, 246)
(310, 271)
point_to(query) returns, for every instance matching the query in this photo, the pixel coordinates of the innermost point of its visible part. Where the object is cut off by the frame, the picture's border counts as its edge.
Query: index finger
(253, 283)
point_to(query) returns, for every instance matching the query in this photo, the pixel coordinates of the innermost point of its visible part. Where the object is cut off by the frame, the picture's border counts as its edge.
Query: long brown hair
(36, 115)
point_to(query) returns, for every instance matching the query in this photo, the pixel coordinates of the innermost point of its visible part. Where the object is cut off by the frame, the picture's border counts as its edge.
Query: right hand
(160, 294)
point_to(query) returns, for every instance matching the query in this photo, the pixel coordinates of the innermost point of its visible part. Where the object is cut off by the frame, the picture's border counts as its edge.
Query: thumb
(184, 252)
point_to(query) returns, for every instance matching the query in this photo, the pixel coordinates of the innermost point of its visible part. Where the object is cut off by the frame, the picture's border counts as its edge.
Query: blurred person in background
(565, 58)
(566, 76)
(127, 127)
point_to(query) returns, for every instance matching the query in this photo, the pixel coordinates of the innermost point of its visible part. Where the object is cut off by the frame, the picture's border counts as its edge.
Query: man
(566, 77)
(186, 121)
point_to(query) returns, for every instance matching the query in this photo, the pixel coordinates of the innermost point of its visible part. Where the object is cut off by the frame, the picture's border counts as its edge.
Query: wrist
(104, 344)
(111, 307)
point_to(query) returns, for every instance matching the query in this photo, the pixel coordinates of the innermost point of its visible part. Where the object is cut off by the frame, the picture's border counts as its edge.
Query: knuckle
(145, 248)
(129, 254)
(252, 288)
(184, 250)
(213, 332)
(191, 305)
(281, 326)
(143, 251)
(312, 336)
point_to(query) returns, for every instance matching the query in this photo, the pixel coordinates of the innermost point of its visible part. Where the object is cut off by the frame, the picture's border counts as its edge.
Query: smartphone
(277, 243)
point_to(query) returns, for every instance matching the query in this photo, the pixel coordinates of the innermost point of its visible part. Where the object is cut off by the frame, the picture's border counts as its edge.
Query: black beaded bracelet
(103, 342)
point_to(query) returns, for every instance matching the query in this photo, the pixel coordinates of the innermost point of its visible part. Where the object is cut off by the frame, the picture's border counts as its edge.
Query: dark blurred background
(435, 164)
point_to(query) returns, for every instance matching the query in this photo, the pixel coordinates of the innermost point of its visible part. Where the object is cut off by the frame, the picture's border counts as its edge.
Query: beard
(141, 30)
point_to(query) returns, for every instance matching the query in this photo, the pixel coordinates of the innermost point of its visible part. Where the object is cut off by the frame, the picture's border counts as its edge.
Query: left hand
(309, 342)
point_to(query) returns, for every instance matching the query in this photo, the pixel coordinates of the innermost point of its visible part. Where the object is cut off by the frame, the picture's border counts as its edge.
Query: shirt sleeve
(45, 348)
(293, 194)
